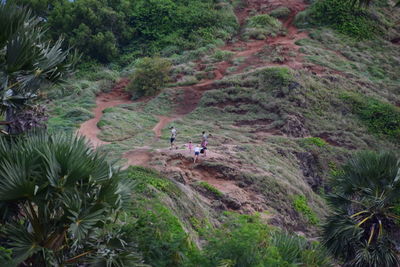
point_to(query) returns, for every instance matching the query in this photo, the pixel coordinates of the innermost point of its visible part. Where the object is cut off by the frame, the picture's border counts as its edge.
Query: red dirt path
(115, 97)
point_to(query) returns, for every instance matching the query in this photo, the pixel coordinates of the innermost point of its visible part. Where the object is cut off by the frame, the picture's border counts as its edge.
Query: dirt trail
(163, 121)
(115, 97)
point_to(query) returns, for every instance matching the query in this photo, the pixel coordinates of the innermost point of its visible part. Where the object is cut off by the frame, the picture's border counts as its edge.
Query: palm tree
(361, 227)
(27, 61)
(58, 202)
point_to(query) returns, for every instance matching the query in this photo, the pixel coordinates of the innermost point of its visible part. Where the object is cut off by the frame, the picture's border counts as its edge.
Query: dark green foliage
(27, 62)
(104, 30)
(344, 17)
(380, 118)
(360, 230)
(301, 206)
(56, 197)
(149, 77)
(6, 257)
(244, 241)
(153, 226)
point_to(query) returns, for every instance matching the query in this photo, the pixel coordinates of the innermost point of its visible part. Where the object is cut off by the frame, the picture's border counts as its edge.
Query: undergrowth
(345, 18)
(300, 205)
(381, 118)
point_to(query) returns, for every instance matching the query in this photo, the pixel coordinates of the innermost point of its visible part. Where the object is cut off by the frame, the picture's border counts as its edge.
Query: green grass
(315, 141)
(260, 26)
(301, 206)
(381, 118)
(221, 55)
(211, 189)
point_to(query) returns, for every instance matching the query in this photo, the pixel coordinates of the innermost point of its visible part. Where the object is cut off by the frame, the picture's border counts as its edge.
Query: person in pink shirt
(190, 146)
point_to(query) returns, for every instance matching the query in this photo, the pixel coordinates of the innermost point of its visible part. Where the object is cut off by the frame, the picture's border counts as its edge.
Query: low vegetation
(380, 117)
(301, 206)
(261, 26)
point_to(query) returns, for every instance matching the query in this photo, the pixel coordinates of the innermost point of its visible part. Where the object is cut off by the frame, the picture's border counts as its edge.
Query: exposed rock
(294, 126)
(231, 203)
(308, 165)
(179, 177)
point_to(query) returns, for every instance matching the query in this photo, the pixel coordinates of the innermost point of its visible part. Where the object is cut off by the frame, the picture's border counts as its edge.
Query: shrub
(301, 206)
(261, 26)
(380, 118)
(244, 241)
(211, 189)
(149, 77)
(344, 17)
(280, 12)
(264, 20)
(221, 55)
(315, 141)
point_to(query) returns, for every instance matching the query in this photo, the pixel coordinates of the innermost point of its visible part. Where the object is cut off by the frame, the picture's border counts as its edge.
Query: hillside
(279, 110)
(287, 97)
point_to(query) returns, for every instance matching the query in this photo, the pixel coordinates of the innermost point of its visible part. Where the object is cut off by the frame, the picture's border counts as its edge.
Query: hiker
(173, 137)
(190, 146)
(196, 153)
(204, 143)
(204, 147)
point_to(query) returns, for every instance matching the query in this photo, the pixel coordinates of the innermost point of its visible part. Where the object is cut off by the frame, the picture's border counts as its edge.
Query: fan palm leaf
(27, 61)
(65, 191)
(363, 218)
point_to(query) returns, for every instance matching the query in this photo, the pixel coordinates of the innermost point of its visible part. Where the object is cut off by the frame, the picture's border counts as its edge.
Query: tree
(27, 61)
(58, 202)
(360, 230)
(149, 77)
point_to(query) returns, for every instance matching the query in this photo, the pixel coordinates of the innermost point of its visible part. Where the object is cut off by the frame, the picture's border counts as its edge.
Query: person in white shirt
(173, 137)
(196, 153)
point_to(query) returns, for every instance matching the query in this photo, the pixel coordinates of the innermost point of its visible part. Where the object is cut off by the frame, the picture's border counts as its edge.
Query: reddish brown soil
(115, 97)
(163, 121)
(137, 157)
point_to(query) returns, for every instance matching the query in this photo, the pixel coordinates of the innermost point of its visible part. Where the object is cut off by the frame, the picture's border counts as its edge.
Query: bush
(315, 141)
(264, 20)
(280, 12)
(380, 118)
(244, 241)
(149, 77)
(344, 17)
(261, 26)
(301, 206)
(221, 55)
